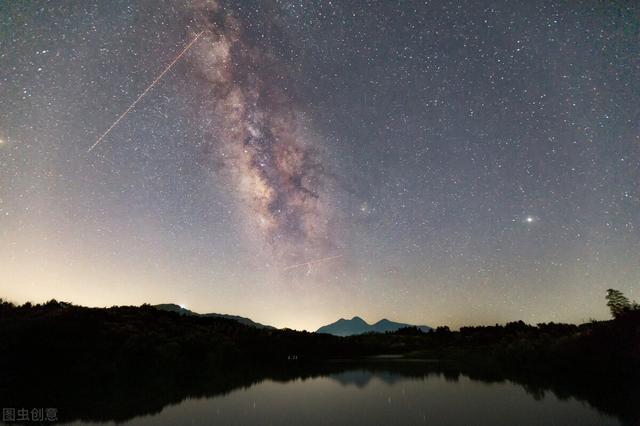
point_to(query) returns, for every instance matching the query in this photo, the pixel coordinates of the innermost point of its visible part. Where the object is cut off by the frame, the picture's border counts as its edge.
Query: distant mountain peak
(357, 325)
(172, 307)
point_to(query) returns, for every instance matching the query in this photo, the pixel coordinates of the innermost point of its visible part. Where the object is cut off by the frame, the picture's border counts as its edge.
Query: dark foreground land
(117, 363)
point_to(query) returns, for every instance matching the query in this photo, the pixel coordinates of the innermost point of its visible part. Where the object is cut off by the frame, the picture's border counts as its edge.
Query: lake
(383, 393)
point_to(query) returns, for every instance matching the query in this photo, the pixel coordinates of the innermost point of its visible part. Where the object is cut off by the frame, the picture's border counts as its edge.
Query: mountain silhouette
(357, 325)
(172, 307)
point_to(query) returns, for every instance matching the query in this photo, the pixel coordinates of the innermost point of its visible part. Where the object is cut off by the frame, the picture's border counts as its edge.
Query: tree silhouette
(617, 302)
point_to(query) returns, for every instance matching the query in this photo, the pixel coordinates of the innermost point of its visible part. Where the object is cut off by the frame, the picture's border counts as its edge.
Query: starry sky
(431, 162)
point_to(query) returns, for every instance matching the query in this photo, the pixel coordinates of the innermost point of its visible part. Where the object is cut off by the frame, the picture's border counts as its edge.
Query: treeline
(599, 347)
(42, 340)
(610, 348)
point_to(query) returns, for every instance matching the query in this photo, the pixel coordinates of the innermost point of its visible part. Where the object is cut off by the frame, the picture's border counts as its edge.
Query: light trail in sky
(312, 262)
(153, 83)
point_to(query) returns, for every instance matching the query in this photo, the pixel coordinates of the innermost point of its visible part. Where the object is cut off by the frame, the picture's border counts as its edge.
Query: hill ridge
(357, 325)
(172, 307)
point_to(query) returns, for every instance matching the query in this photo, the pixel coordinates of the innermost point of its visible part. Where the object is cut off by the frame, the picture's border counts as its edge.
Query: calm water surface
(361, 396)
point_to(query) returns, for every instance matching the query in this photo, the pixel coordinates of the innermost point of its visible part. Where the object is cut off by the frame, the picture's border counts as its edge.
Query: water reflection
(363, 397)
(378, 392)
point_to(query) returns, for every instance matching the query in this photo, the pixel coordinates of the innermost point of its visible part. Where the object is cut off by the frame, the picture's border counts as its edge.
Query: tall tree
(617, 302)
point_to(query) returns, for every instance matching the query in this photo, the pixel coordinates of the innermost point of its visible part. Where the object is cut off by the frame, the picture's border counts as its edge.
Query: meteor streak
(153, 83)
(312, 262)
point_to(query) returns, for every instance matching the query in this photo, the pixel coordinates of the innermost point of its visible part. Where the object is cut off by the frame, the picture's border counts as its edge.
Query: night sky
(438, 162)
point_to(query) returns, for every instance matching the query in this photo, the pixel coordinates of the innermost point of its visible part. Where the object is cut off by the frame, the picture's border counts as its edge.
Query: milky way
(258, 137)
